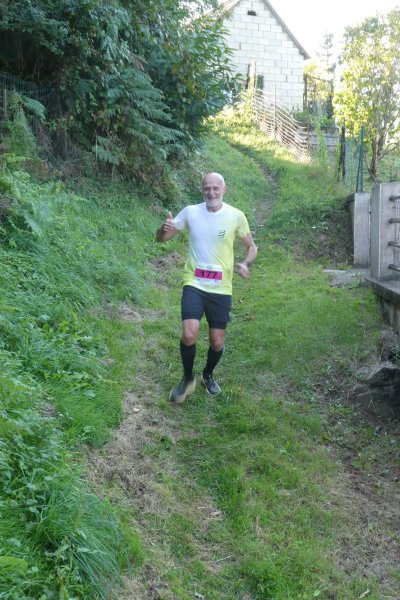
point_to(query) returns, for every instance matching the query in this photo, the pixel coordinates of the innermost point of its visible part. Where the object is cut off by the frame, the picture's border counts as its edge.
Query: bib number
(208, 274)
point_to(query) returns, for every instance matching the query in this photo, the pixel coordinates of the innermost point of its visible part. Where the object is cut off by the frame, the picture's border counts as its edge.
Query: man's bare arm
(244, 266)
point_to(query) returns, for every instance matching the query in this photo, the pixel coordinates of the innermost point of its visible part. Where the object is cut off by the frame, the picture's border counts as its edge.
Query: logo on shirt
(221, 233)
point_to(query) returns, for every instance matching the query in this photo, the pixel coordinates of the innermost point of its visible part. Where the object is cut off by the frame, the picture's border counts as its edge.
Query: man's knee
(217, 339)
(190, 331)
(189, 339)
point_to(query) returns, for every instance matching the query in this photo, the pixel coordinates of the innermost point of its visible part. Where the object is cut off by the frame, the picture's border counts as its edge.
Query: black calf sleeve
(213, 358)
(188, 354)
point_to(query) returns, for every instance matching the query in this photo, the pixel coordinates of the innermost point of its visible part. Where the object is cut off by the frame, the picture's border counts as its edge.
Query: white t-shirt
(209, 265)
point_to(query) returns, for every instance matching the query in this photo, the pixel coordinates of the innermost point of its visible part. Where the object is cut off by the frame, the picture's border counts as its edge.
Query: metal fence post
(5, 105)
(360, 170)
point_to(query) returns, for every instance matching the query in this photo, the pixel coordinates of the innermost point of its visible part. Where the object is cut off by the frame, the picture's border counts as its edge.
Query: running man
(213, 226)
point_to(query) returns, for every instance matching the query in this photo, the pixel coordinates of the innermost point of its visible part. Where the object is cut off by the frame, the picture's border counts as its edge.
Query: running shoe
(178, 394)
(210, 384)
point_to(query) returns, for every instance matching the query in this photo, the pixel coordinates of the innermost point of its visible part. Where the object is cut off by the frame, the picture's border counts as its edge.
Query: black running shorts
(217, 307)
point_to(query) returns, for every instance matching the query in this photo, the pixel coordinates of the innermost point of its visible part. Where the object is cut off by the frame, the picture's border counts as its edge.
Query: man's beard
(213, 203)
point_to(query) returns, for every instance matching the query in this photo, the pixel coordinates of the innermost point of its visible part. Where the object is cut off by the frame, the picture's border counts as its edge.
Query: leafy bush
(135, 79)
(311, 121)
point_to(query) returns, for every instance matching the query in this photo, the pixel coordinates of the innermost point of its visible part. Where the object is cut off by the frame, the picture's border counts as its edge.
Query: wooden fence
(276, 120)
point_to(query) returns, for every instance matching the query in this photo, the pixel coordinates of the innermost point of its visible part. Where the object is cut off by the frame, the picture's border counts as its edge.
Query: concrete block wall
(383, 232)
(373, 232)
(262, 38)
(359, 206)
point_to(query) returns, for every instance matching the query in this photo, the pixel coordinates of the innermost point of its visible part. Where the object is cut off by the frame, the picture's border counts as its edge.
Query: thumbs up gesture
(167, 229)
(168, 225)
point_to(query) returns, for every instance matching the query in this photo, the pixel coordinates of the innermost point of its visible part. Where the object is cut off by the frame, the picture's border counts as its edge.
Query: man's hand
(168, 224)
(244, 266)
(243, 270)
(167, 229)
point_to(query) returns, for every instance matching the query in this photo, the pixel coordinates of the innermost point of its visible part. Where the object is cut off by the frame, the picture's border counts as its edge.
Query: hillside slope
(278, 488)
(275, 489)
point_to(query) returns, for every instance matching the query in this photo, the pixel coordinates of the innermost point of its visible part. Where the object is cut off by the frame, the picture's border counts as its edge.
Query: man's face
(213, 188)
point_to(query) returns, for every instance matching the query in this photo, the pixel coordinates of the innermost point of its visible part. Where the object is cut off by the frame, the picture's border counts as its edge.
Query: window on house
(252, 13)
(259, 82)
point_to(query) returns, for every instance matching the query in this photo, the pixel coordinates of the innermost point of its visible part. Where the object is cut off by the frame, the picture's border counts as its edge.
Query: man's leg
(192, 309)
(190, 331)
(218, 308)
(215, 351)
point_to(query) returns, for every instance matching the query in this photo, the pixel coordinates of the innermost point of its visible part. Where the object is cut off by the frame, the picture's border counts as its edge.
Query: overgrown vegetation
(244, 497)
(134, 79)
(62, 257)
(367, 96)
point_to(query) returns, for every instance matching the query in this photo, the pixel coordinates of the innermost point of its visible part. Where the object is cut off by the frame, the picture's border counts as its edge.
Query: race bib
(208, 274)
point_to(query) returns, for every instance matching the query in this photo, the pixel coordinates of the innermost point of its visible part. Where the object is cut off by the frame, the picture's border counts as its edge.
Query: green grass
(55, 535)
(257, 456)
(66, 261)
(241, 493)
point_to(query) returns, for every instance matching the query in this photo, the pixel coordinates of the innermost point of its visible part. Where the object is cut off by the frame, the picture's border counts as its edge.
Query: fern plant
(19, 101)
(19, 139)
(136, 79)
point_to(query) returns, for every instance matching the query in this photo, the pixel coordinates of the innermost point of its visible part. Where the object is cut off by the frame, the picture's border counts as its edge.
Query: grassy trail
(268, 491)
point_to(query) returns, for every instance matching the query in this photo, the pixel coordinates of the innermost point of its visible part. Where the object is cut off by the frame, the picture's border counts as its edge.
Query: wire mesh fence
(46, 96)
(351, 163)
(54, 142)
(277, 121)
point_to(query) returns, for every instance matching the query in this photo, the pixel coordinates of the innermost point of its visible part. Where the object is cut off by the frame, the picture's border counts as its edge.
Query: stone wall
(376, 237)
(262, 38)
(331, 139)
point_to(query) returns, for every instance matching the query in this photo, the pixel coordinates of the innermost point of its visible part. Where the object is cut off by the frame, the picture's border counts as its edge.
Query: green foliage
(56, 537)
(311, 121)
(53, 247)
(135, 79)
(19, 101)
(23, 213)
(59, 261)
(190, 63)
(370, 82)
(19, 138)
(318, 83)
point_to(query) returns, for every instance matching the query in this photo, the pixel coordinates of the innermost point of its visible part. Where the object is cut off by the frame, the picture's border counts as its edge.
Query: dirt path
(131, 475)
(124, 468)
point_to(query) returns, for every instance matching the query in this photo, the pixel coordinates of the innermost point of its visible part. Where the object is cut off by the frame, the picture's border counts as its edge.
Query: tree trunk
(377, 147)
(373, 166)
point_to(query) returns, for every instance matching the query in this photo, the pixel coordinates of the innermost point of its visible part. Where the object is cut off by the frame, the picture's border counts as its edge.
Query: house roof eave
(227, 5)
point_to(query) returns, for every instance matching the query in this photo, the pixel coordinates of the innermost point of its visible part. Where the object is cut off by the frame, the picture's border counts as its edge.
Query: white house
(256, 33)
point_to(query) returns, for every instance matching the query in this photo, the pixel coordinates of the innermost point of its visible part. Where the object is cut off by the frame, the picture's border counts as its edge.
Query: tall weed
(64, 259)
(57, 540)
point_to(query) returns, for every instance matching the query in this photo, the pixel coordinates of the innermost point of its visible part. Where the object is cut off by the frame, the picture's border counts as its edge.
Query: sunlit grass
(257, 452)
(243, 481)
